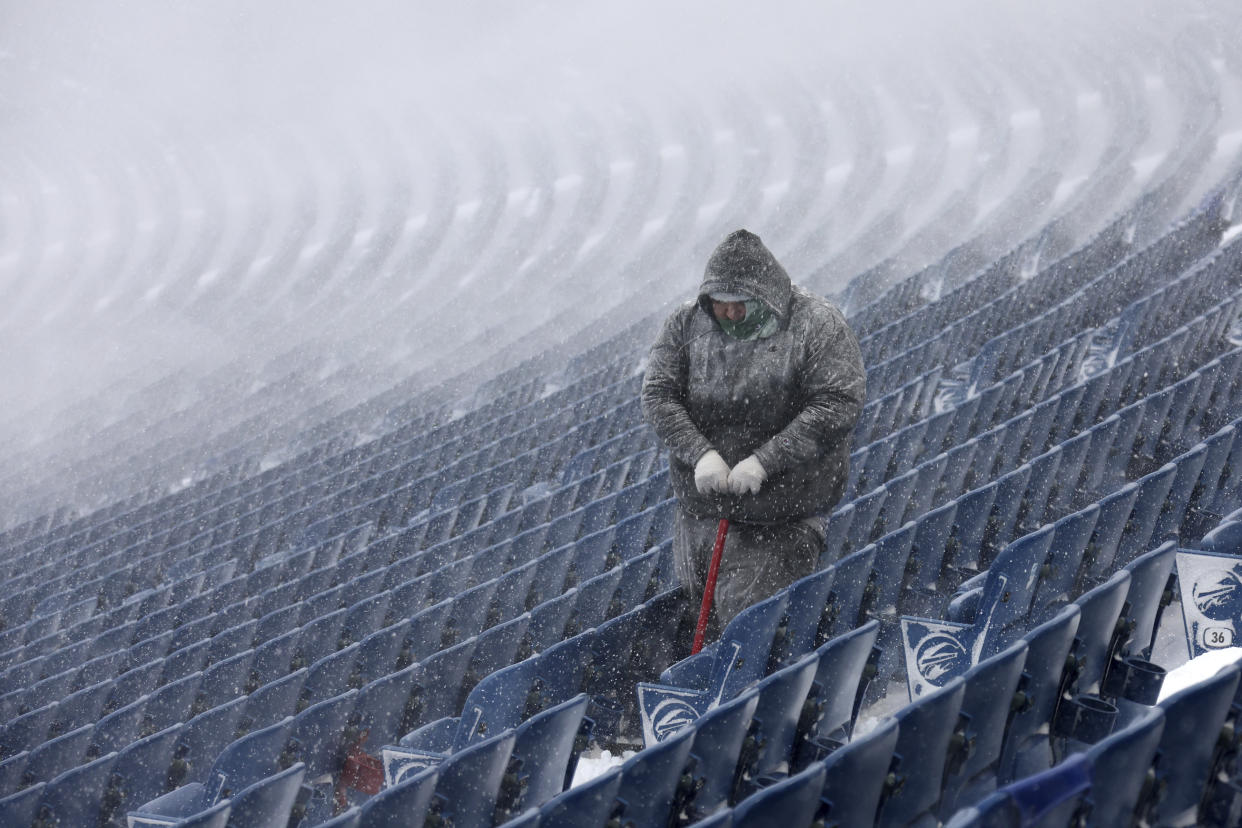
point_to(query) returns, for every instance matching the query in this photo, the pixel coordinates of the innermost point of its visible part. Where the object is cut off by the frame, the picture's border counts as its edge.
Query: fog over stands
(230, 220)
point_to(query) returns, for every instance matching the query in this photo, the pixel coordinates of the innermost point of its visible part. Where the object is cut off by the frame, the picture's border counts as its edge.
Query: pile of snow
(1198, 669)
(594, 762)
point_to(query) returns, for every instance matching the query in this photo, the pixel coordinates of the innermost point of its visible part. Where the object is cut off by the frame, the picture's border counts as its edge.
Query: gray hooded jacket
(791, 399)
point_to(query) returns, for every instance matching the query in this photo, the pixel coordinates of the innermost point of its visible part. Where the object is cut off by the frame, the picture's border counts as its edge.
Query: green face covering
(759, 322)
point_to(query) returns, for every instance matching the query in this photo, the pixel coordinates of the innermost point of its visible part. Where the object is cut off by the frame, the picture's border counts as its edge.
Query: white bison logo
(940, 657)
(1218, 594)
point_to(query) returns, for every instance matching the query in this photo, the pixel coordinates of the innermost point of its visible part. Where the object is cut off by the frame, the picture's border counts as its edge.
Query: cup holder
(1135, 679)
(1086, 719)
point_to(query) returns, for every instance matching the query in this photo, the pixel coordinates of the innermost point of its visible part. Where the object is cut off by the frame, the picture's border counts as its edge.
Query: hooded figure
(754, 388)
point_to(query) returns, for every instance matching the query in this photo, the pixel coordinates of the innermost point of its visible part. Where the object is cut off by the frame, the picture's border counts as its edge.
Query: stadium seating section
(423, 605)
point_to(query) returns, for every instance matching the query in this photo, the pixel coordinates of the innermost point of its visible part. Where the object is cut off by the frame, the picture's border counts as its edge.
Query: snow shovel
(709, 589)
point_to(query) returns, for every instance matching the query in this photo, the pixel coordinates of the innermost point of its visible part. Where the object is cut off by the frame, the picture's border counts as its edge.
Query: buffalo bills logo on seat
(1218, 594)
(940, 657)
(1211, 593)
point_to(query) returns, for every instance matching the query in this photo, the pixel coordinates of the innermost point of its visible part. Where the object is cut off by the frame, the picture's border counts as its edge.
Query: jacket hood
(742, 264)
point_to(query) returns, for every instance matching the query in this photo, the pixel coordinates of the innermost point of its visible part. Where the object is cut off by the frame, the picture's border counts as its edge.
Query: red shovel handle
(709, 591)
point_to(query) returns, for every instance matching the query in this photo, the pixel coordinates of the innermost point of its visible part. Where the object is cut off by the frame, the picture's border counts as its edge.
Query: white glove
(747, 476)
(711, 473)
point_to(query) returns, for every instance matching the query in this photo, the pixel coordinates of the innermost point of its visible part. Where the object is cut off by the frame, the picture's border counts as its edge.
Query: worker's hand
(711, 473)
(747, 476)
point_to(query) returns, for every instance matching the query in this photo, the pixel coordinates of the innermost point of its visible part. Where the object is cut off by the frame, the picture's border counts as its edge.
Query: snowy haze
(222, 213)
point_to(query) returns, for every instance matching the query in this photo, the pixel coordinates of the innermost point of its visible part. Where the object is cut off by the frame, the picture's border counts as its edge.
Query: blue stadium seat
(172, 703)
(469, 783)
(1149, 575)
(55, 756)
(443, 672)
(547, 746)
(21, 808)
(1119, 765)
(855, 774)
(965, 549)
(650, 780)
(925, 493)
(799, 632)
(563, 669)
(923, 593)
(837, 691)
(615, 661)
(1138, 535)
(1004, 599)
(273, 658)
(721, 819)
(991, 686)
(887, 581)
(495, 648)
(84, 706)
(379, 651)
(382, 707)
(231, 641)
(983, 460)
(1104, 435)
(316, 738)
(594, 598)
(925, 729)
(1172, 510)
(1037, 499)
(1100, 609)
(403, 805)
(1200, 517)
(427, 630)
(243, 762)
(549, 619)
(140, 773)
(526, 819)
(27, 731)
(189, 659)
(896, 502)
(268, 801)
(330, 675)
(1028, 747)
(552, 573)
(75, 797)
(202, 740)
(100, 668)
(719, 736)
(277, 622)
(843, 612)
(1066, 492)
(1010, 489)
(958, 461)
(320, 634)
(1187, 754)
(469, 612)
(791, 801)
(1225, 539)
(591, 803)
(496, 704)
(737, 659)
(363, 617)
(861, 531)
(11, 771)
(1059, 578)
(1048, 799)
(1114, 514)
(776, 721)
(117, 729)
